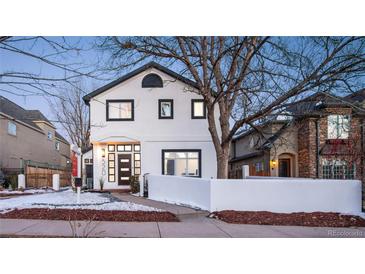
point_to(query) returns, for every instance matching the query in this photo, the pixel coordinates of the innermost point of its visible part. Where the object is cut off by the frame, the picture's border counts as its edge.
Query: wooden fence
(237, 172)
(38, 177)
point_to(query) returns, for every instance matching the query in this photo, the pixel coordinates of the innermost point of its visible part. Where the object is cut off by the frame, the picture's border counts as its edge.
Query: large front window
(181, 162)
(336, 169)
(338, 126)
(120, 110)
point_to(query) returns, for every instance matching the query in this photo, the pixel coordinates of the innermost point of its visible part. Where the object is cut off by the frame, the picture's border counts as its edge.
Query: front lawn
(63, 205)
(314, 219)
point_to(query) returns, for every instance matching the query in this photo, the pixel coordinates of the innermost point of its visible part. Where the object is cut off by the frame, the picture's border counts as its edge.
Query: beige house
(27, 135)
(319, 137)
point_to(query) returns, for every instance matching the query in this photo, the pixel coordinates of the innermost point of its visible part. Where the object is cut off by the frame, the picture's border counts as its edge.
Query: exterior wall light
(273, 163)
(103, 152)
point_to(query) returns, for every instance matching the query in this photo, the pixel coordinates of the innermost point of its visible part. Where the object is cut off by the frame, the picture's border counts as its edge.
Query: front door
(124, 169)
(284, 167)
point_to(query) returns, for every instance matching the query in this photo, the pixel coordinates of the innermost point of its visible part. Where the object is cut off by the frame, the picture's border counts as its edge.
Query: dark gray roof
(36, 115)
(59, 136)
(357, 97)
(17, 112)
(247, 156)
(135, 72)
(313, 105)
(271, 140)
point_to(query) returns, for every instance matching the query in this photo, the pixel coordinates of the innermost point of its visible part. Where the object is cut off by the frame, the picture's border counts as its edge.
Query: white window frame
(337, 129)
(49, 135)
(10, 130)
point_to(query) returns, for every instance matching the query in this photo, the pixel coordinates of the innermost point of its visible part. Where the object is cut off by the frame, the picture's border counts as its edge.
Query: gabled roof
(133, 73)
(17, 112)
(36, 115)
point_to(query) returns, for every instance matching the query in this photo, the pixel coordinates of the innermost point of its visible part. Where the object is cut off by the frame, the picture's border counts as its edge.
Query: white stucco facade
(151, 133)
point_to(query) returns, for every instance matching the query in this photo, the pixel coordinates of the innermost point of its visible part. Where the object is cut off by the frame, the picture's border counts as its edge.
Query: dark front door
(89, 171)
(124, 169)
(284, 167)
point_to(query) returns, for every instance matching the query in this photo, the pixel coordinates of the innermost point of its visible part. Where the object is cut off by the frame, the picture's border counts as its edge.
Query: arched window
(152, 81)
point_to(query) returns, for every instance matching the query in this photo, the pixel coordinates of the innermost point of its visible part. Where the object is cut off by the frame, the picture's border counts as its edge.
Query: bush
(134, 184)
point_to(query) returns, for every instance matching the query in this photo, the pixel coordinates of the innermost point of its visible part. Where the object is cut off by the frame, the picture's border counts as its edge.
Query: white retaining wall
(275, 195)
(194, 192)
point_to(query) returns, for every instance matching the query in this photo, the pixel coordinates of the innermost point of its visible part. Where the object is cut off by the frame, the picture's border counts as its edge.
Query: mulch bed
(9, 195)
(89, 214)
(314, 219)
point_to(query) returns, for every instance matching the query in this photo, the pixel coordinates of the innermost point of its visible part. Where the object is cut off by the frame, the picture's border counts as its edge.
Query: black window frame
(119, 101)
(193, 101)
(160, 101)
(199, 151)
(152, 80)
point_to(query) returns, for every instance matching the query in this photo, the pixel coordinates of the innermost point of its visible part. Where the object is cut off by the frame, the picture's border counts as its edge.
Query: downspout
(317, 148)
(362, 160)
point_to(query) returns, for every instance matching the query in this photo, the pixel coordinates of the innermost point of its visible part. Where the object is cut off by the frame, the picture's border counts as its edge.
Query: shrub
(134, 184)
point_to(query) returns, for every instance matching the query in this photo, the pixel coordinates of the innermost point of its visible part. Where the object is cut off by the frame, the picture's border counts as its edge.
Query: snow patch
(67, 200)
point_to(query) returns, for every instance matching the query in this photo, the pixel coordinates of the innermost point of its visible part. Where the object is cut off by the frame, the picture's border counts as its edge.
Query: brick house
(29, 135)
(321, 136)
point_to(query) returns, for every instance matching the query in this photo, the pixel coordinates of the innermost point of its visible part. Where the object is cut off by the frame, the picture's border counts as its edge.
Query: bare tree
(55, 61)
(72, 113)
(249, 78)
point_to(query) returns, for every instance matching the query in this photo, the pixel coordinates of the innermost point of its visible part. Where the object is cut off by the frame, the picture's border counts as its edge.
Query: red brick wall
(307, 148)
(307, 143)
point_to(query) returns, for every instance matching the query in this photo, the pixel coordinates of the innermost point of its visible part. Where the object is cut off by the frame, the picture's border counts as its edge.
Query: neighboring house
(28, 135)
(321, 136)
(149, 121)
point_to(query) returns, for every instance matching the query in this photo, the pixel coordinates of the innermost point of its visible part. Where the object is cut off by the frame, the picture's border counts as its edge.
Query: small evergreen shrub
(134, 184)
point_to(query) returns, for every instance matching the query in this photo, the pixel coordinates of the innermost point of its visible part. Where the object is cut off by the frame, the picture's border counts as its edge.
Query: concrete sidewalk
(193, 223)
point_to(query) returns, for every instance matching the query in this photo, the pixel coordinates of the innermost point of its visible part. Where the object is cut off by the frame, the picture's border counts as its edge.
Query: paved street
(193, 223)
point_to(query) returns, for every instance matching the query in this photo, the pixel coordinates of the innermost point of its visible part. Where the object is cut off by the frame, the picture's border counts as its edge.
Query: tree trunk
(222, 162)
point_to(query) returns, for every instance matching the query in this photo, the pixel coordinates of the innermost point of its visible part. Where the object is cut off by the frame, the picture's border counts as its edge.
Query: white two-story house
(149, 121)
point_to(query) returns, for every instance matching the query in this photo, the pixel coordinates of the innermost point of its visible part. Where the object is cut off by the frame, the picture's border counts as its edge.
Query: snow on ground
(26, 191)
(68, 199)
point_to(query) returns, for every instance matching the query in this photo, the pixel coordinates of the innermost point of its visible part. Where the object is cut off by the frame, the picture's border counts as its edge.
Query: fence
(236, 173)
(275, 195)
(39, 175)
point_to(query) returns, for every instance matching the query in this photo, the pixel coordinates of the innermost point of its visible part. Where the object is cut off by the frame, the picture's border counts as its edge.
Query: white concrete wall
(286, 195)
(194, 192)
(275, 195)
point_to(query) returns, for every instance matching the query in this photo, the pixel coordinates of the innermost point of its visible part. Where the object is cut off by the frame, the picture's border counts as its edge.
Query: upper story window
(120, 110)
(12, 128)
(165, 109)
(338, 126)
(152, 80)
(198, 109)
(49, 135)
(57, 145)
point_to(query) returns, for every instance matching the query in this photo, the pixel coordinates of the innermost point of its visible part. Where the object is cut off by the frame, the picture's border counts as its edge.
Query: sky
(10, 62)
